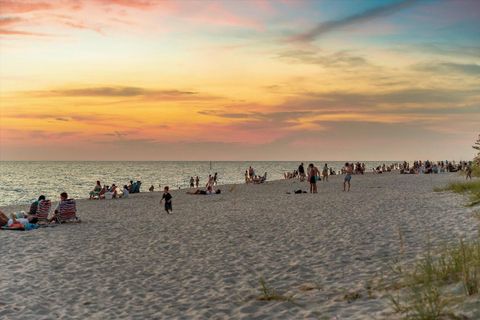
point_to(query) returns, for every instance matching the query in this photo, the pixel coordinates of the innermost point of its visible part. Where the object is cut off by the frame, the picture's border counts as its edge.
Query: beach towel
(20, 227)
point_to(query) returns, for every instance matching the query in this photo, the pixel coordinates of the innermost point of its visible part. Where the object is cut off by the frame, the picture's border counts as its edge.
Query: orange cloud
(15, 6)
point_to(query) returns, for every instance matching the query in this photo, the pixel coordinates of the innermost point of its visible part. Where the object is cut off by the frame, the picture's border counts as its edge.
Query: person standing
(313, 173)
(301, 172)
(168, 200)
(192, 181)
(348, 176)
(197, 181)
(209, 181)
(468, 171)
(251, 173)
(325, 172)
(215, 177)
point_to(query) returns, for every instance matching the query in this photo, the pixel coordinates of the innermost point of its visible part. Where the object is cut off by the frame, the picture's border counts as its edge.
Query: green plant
(352, 296)
(422, 285)
(269, 294)
(472, 188)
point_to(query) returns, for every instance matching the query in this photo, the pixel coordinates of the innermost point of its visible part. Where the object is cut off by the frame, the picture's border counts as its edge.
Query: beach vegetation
(476, 160)
(269, 294)
(472, 188)
(352, 296)
(476, 215)
(426, 295)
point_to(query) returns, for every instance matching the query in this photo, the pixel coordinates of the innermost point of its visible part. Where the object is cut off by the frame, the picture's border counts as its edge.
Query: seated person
(101, 194)
(113, 191)
(34, 205)
(125, 192)
(260, 179)
(65, 210)
(96, 191)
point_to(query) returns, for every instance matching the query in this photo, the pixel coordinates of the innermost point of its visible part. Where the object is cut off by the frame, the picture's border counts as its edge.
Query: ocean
(21, 182)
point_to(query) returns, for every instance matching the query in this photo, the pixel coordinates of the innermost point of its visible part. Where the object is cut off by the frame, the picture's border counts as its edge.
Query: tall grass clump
(472, 188)
(424, 296)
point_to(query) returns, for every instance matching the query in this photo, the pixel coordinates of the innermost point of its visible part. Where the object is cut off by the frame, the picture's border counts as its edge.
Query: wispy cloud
(446, 68)
(340, 59)
(7, 22)
(361, 17)
(122, 91)
(15, 6)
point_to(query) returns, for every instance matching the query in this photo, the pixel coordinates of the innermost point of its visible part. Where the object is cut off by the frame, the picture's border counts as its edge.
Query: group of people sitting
(251, 177)
(428, 167)
(113, 191)
(383, 168)
(39, 214)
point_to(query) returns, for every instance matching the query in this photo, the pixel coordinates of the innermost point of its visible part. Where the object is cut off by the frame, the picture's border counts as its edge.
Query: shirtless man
(312, 177)
(468, 171)
(325, 172)
(301, 172)
(348, 176)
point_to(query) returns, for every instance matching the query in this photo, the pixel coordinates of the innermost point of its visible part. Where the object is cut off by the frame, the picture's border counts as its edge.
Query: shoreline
(219, 186)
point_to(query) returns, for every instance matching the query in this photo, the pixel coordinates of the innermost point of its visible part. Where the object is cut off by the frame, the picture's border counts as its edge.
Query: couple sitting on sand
(209, 191)
(39, 210)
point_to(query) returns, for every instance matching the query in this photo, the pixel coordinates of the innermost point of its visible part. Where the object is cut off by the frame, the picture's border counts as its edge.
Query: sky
(239, 79)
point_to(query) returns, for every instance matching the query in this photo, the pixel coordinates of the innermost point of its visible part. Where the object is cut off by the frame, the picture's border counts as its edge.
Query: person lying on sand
(299, 191)
(5, 221)
(209, 191)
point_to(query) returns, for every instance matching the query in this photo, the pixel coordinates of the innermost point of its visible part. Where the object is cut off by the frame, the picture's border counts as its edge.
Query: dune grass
(471, 187)
(425, 295)
(269, 294)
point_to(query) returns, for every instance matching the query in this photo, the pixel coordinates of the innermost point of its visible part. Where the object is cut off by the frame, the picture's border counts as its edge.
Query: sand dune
(128, 259)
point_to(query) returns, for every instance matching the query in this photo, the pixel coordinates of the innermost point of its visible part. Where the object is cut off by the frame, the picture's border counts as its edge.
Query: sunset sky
(239, 80)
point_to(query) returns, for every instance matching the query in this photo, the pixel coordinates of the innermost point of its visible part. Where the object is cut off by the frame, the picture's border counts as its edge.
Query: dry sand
(130, 260)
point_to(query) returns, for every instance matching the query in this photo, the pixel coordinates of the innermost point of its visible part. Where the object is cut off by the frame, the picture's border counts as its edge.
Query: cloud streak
(362, 17)
(124, 92)
(449, 67)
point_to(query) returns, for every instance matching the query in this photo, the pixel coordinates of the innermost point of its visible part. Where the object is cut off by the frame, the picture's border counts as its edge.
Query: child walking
(168, 200)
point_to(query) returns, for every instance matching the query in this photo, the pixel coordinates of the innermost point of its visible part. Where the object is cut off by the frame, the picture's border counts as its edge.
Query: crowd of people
(312, 174)
(428, 167)
(40, 214)
(114, 192)
(251, 177)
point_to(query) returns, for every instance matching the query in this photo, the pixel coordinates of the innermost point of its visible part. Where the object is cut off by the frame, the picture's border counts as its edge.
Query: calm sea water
(23, 181)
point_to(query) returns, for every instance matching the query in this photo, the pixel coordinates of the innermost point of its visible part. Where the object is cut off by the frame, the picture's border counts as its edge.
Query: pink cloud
(15, 6)
(137, 4)
(217, 14)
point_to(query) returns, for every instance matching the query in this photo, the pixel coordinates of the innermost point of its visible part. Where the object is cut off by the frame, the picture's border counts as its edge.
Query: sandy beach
(128, 259)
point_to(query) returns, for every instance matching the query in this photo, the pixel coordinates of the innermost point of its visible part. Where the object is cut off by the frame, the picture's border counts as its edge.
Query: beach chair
(43, 210)
(67, 211)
